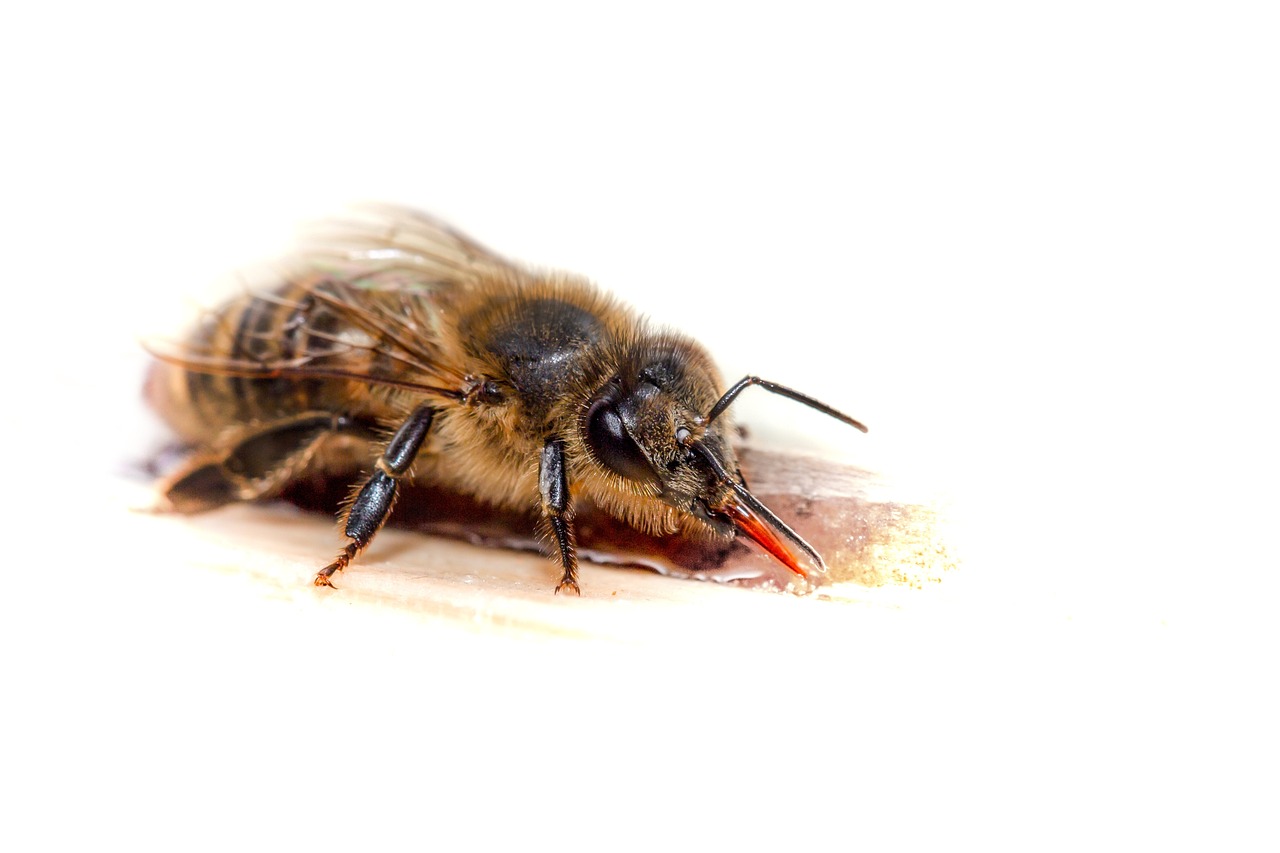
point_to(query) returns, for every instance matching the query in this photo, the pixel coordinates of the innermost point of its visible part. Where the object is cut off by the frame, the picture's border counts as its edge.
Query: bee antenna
(752, 501)
(782, 390)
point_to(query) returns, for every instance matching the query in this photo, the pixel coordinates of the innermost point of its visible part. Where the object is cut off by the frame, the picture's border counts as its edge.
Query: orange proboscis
(751, 524)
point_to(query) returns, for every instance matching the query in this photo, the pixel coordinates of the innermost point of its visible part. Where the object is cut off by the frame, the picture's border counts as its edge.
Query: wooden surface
(885, 551)
(446, 557)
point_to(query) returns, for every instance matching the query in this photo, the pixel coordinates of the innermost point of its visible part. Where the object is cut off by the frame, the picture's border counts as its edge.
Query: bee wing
(359, 299)
(374, 242)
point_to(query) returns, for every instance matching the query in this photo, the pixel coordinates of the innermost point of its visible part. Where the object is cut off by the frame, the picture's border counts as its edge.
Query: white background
(1034, 247)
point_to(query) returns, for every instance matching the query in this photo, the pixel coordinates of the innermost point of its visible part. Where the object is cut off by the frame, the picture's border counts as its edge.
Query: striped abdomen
(284, 327)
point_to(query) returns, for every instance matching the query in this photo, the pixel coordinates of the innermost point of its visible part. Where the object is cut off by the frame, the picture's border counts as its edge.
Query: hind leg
(256, 463)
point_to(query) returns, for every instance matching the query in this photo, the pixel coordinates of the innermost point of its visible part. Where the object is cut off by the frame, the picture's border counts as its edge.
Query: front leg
(373, 503)
(553, 484)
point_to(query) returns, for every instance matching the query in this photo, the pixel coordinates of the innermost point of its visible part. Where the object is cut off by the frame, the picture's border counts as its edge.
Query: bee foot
(570, 586)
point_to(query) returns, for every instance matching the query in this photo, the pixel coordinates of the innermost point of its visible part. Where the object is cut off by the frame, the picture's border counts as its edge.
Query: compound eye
(614, 447)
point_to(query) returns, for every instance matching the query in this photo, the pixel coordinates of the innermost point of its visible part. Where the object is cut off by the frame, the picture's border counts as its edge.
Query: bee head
(634, 423)
(656, 427)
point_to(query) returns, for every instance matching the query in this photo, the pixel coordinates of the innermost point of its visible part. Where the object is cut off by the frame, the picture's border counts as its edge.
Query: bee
(393, 345)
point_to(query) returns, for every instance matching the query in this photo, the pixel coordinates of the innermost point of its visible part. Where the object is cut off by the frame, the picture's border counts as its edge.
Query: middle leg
(372, 505)
(553, 484)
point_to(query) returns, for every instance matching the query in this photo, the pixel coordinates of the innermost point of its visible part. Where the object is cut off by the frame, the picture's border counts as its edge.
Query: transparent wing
(383, 246)
(358, 299)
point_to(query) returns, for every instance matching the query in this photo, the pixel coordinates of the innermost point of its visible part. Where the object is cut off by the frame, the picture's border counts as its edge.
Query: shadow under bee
(867, 538)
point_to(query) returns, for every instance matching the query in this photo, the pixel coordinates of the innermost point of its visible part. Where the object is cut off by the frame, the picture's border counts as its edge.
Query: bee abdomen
(253, 330)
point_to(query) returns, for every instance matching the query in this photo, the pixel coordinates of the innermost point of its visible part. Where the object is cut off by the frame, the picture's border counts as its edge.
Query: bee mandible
(392, 339)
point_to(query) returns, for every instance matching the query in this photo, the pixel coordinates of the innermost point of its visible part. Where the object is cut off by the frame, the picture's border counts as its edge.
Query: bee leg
(553, 484)
(373, 503)
(256, 465)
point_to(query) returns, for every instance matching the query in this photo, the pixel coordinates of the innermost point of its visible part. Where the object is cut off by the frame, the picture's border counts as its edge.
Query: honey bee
(393, 345)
